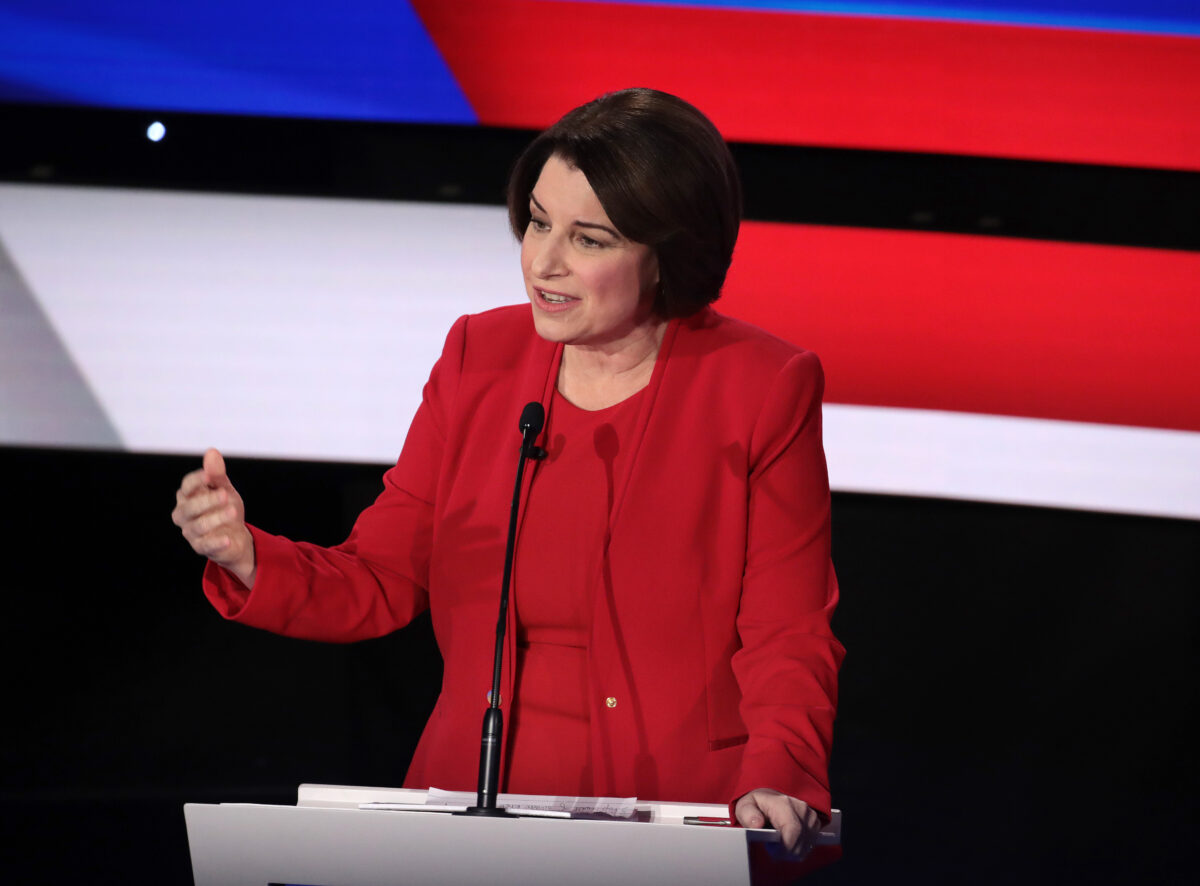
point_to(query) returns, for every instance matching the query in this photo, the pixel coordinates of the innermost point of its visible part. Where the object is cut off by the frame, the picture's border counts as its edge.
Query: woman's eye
(587, 241)
(538, 225)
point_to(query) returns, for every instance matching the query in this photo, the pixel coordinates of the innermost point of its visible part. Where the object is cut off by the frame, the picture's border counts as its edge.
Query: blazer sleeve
(377, 580)
(787, 665)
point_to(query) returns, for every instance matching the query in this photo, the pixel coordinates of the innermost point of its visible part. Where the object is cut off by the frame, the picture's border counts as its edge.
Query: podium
(327, 840)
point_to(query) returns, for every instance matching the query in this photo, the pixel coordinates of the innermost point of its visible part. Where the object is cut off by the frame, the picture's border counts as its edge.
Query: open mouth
(554, 299)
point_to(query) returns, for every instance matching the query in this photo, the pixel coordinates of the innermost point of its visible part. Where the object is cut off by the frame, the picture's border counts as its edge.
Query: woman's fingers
(214, 469)
(797, 823)
(209, 522)
(748, 813)
(192, 483)
(208, 509)
(210, 514)
(782, 816)
(188, 507)
(213, 544)
(203, 510)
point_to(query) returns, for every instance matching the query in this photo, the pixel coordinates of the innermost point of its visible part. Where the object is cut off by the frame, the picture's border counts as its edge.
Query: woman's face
(589, 285)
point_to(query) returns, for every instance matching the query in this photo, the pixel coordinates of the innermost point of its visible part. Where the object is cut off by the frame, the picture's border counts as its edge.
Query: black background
(1014, 702)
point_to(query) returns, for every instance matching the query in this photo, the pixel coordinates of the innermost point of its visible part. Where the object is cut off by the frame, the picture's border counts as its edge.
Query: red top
(562, 546)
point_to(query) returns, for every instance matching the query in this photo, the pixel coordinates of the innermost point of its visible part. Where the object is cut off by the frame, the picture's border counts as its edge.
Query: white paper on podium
(617, 807)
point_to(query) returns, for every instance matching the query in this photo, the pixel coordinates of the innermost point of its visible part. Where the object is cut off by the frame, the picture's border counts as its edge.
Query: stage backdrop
(963, 359)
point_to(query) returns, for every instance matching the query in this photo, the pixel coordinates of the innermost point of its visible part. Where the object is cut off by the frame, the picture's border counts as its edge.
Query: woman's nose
(548, 258)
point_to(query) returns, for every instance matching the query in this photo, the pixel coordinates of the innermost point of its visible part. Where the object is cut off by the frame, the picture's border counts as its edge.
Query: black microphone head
(533, 416)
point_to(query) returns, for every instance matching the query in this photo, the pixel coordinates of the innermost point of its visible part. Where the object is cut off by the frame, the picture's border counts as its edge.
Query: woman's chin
(553, 328)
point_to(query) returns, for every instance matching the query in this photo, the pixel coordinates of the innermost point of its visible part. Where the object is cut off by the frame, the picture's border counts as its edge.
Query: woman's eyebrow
(579, 223)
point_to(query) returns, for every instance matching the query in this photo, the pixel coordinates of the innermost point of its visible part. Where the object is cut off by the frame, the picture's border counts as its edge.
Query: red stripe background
(981, 324)
(853, 81)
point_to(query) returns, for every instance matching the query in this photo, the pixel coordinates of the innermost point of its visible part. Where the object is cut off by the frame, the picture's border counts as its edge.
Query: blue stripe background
(366, 59)
(1149, 16)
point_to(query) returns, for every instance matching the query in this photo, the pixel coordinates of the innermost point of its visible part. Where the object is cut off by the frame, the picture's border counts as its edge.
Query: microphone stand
(533, 417)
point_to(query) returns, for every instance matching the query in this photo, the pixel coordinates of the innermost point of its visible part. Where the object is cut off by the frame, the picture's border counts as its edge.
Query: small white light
(156, 131)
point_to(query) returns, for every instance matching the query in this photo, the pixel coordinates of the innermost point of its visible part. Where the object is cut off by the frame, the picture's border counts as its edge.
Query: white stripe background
(305, 328)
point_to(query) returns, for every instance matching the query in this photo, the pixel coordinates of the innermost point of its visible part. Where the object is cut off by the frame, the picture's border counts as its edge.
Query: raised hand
(212, 517)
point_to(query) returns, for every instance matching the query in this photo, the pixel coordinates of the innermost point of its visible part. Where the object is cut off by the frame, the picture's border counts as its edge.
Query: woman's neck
(596, 377)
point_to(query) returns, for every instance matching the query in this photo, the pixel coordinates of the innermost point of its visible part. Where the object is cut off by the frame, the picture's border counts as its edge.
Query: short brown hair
(664, 176)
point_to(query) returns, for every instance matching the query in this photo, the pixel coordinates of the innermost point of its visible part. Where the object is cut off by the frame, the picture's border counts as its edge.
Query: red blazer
(712, 666)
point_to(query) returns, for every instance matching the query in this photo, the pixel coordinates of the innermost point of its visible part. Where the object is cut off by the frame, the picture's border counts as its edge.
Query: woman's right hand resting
(212, 517)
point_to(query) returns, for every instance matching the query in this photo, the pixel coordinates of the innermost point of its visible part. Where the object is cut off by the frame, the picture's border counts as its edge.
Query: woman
(669, 627)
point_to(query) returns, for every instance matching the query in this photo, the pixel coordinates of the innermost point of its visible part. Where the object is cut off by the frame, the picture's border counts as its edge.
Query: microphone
(533, 418)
